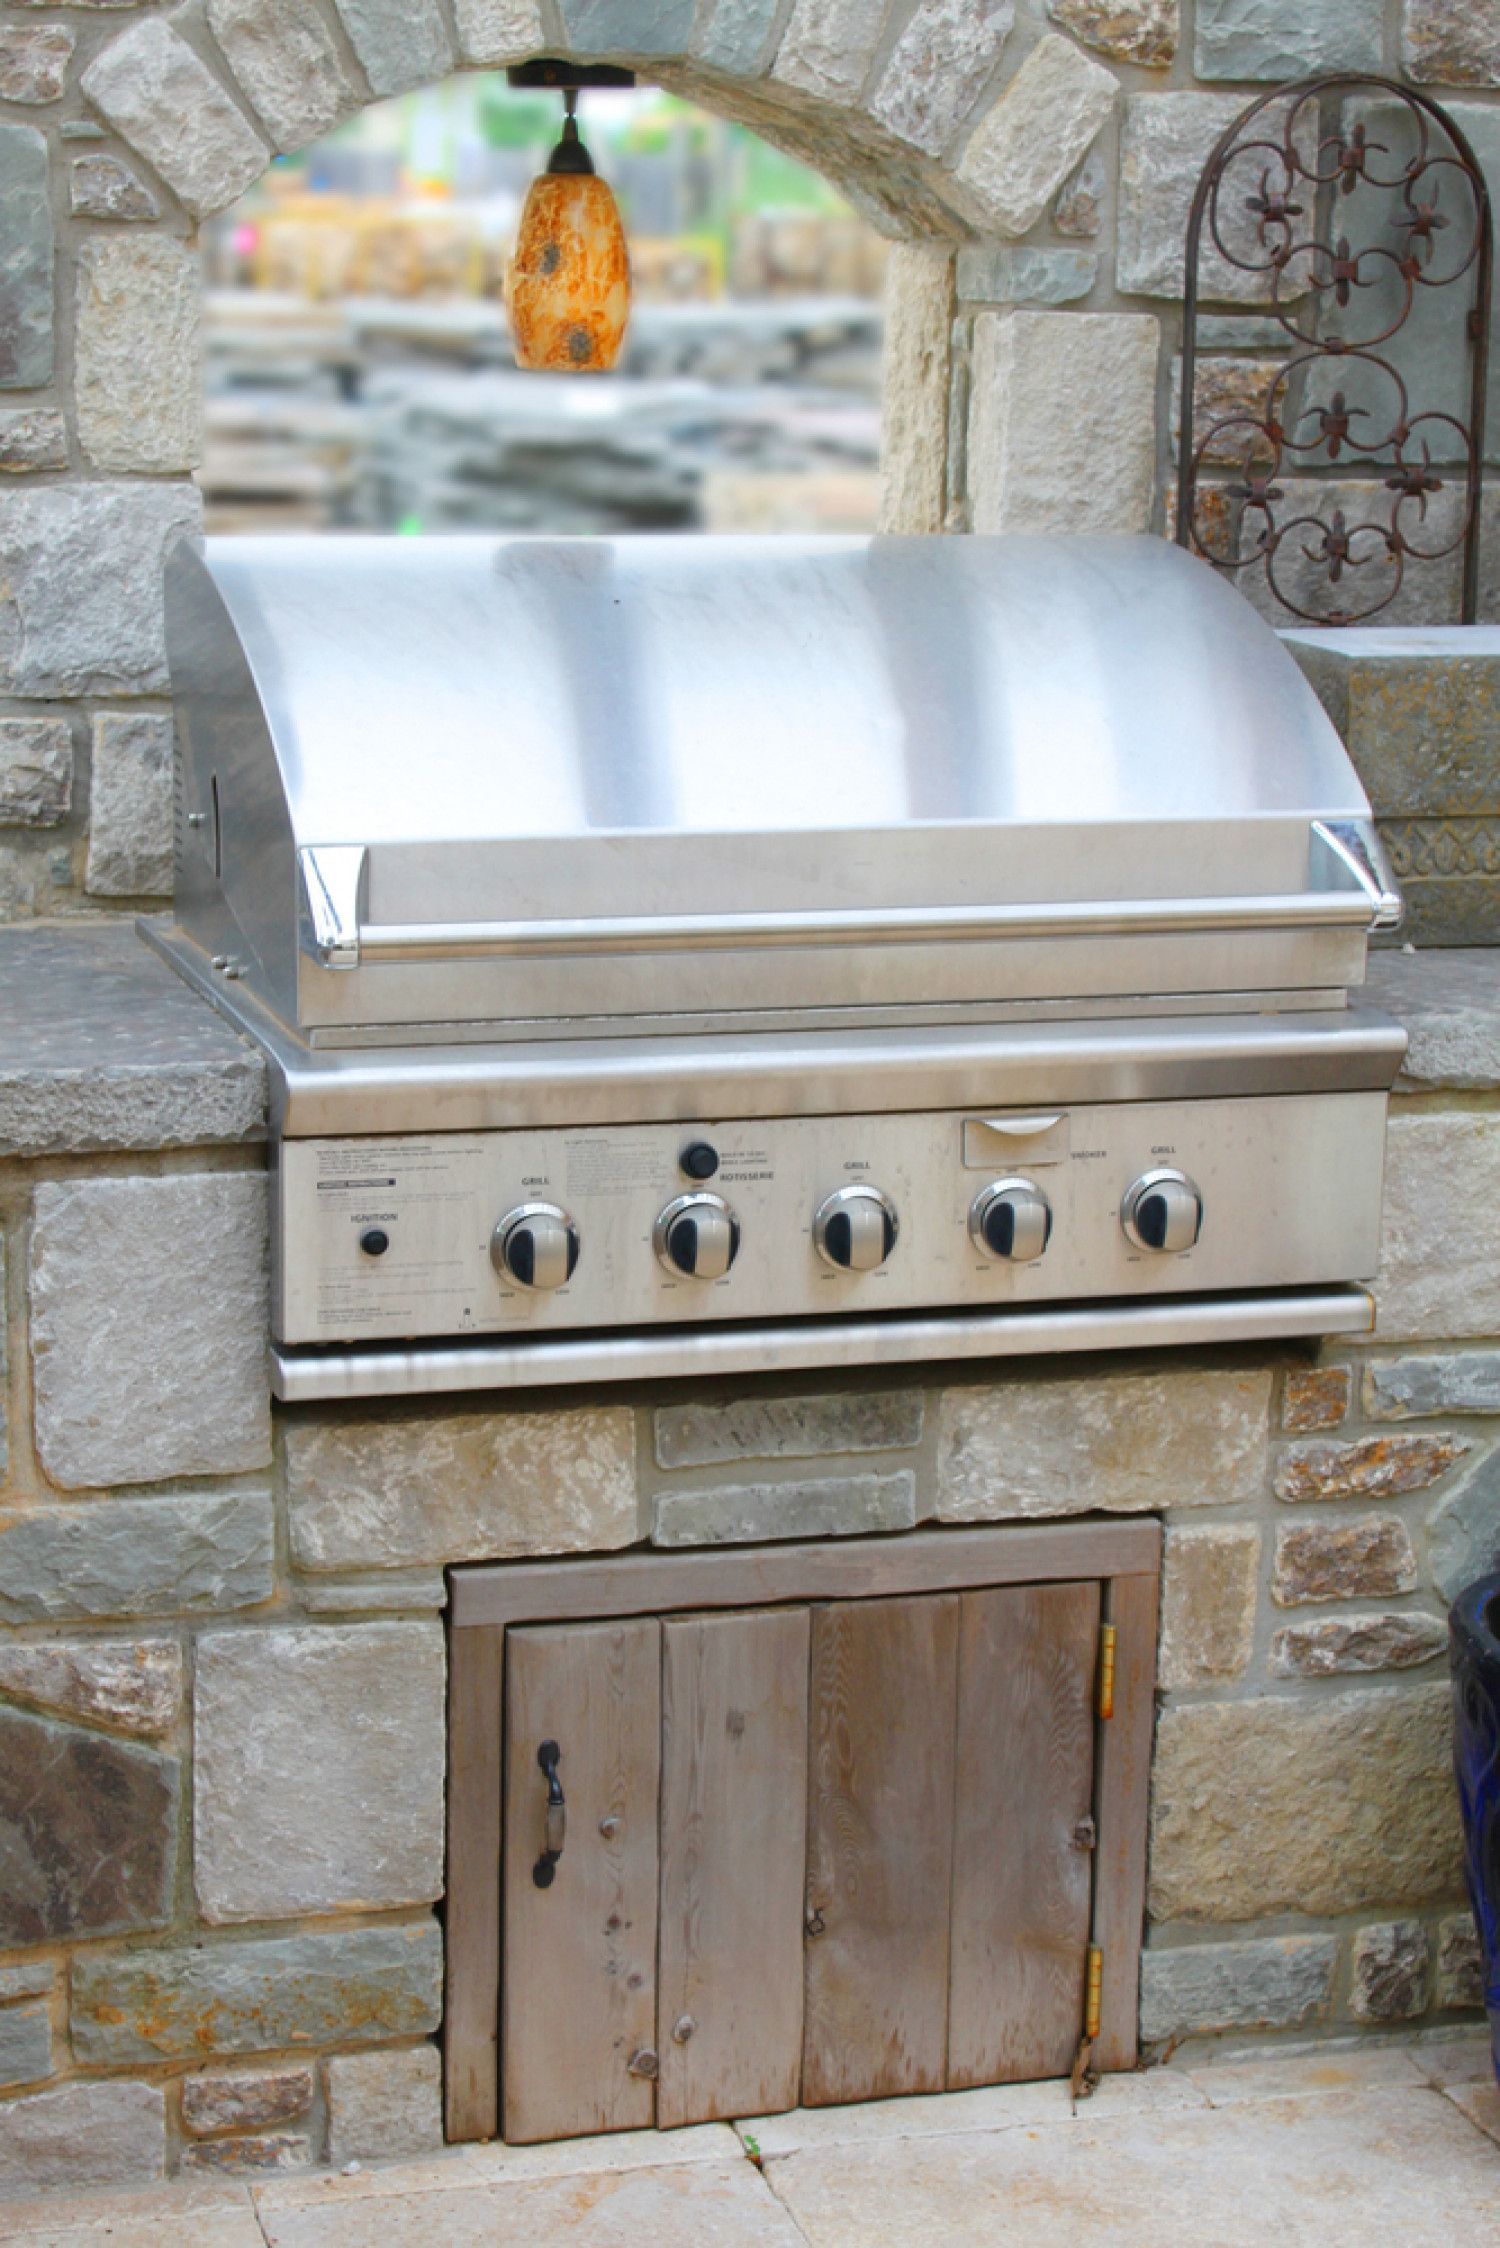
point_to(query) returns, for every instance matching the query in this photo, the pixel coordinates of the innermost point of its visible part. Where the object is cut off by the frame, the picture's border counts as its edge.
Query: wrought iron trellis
(1287, 181)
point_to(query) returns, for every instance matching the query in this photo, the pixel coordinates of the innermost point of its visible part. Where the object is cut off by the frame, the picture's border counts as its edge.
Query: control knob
(536, 1245)
(855, 1229)
(1011, 1220)
(1163, 1211)
(697, 1237)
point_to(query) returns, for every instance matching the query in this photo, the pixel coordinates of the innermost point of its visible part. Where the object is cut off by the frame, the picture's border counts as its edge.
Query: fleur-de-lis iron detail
(1338, 291)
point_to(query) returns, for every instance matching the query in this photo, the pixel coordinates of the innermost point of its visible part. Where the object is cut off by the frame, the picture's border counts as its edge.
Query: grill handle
(335, 934)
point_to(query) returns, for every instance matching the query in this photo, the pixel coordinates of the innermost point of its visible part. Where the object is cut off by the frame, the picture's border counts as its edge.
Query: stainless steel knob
(855, 1229)
(536, 1245)
(697, 1237)
(1011, 1219)
(1163, 1211)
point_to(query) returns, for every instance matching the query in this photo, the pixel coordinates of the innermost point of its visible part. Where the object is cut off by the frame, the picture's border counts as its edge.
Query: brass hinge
(1104, 1695)
(1084, 2075)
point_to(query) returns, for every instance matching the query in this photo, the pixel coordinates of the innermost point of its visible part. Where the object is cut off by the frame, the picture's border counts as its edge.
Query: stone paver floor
(1388, 2146)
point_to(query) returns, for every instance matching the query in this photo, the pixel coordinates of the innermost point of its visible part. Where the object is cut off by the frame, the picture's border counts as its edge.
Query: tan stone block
(1377, 1467)
(1035, 373)
(34, 61)
(424, 1489)
(1036, 134)
(1439, 1274)
(1119, 1442)
(1395, 1639)
(1208, 1604)
(1334, 1804)
(1315, 1397)
(1460, 1962)
(1370, 1559)
(139, 380)
(1143, 31)
(916, 369)
(248, 2100)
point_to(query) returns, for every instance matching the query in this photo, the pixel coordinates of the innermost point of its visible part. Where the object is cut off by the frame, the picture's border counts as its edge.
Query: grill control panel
(488, 1233)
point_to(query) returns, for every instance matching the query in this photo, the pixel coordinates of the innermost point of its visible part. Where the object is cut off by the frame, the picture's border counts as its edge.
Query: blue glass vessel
(1474, 1639)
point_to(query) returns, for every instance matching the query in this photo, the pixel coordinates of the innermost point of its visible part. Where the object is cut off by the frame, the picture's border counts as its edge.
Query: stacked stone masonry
(1034, 158)
(221, 1646)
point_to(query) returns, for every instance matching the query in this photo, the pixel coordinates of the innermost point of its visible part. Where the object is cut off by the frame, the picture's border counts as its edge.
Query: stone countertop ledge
(103, 1047)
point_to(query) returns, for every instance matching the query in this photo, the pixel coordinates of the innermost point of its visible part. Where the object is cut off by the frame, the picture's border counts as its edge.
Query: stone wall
(1034, 157)
(222, 1653)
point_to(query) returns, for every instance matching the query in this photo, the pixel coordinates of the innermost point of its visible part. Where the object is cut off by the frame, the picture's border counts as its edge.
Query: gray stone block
(102, 1046)
(132, 1685)
(169, 1556)
(25, 2044)
(1460, 1963)
(1439, 1275)
(787, 1428)
(1202, 1989)
(735, 35)
(34, 1978)
(1139, 31)
(400, 43)
(499, 31)
(1038, 131)
(939, 68)
(257, 1994)
(1285, 39)
(1392, 1968)
(1459, 1381)
(137, 362)
(1029, 1447)
(251, 2100)
(88, 1833)
(130, 807)
(25, 260)
(1164, 145)
(318, 1773)
(1463, 1535)
(101, 187)
(36, 771)
(392, 1591)
(829, 45)
(1397, 1639)
(1339, 1803)
(82, 2135)
(32, 439)
(172, 110)
(634, 27)
(423, 1489)
(34, 59)
(1079, 207)
(846, 1506)
(81, 586)
(148, 1328)
(286, 62)
(1209, 1581)
(995, 274)
(384, 2105)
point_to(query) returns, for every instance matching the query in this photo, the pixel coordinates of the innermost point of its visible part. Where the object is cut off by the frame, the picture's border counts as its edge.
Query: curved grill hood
(452, 783)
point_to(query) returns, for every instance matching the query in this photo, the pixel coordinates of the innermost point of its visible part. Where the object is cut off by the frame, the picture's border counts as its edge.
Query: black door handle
(544, 1872)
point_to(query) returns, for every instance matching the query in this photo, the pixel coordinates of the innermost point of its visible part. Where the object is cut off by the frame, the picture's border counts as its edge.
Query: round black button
(700, 1161)
(374, 1242)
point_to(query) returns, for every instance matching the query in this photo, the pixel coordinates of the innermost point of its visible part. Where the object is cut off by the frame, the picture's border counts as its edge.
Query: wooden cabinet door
(1022, 1868)
(733, 1828)
(880, 1847)
(578, 1960)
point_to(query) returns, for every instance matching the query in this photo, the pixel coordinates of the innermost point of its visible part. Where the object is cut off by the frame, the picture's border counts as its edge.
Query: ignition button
(700, 1161)
(375, 1242)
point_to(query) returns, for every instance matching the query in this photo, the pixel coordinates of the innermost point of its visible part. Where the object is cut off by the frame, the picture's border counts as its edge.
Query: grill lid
(460, 780)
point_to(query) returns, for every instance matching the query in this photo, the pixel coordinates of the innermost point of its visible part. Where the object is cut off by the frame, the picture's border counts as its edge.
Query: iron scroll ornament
(1294, 186)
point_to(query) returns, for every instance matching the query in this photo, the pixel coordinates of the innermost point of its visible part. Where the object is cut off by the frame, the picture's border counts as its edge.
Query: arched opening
(359, 366)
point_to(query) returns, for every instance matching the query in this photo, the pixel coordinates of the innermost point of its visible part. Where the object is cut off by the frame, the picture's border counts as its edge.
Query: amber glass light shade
(570, 276)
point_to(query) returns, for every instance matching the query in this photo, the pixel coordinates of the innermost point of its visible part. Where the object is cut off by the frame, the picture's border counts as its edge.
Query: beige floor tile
(1377, 2169)
(1329, 2068)
(1456, 2057)
(692, 2205)
(187, 2216)
(1480, 2103)
(990, 2107)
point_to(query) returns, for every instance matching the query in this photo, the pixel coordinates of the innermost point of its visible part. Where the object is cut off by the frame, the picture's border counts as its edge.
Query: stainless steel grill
(704, 955)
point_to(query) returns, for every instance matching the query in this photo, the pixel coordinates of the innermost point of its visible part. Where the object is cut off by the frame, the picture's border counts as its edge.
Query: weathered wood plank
(639, 1584)
(880, 1841)
(1121, 1795)
(578, 1975)
(1023, 1785)
(471, 2074)
(733, 1852)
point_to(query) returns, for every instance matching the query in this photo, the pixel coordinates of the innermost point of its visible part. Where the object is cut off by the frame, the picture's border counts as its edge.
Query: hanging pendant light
(570, 274)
